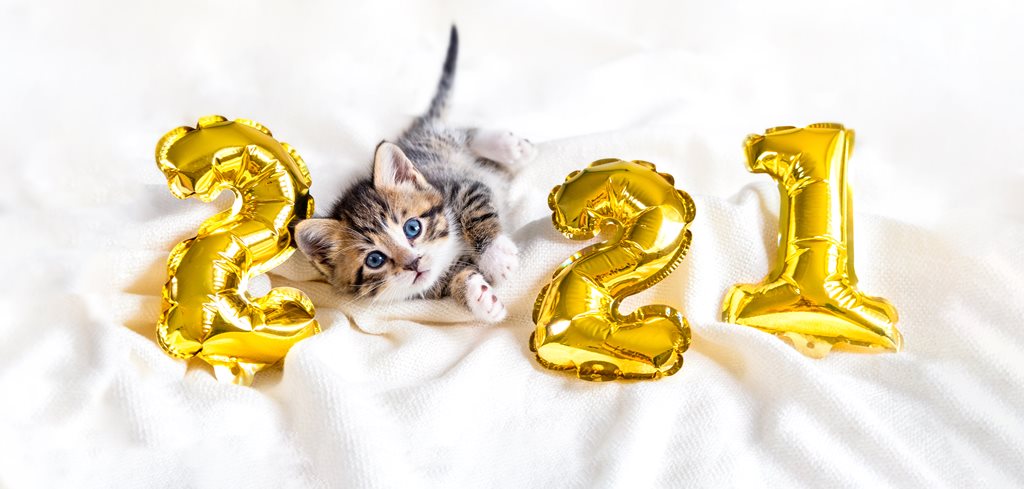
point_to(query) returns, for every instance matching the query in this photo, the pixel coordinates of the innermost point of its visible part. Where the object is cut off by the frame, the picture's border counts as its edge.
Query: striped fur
(437, 175)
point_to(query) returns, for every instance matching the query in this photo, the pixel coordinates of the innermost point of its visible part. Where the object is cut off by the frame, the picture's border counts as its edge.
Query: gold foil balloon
(206, 309)
(579, 326)
(811, 298)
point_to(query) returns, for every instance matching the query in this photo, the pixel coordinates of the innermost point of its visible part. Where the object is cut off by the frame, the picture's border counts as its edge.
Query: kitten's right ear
(319, 239)
(393, 169)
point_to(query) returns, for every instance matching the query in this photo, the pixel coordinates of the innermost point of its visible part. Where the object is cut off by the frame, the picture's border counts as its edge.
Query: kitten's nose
(413, 265)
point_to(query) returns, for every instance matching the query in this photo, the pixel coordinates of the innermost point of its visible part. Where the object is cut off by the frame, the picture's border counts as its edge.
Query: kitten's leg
(500, 259)
(498, 256)
(470, 289)
(501, 146)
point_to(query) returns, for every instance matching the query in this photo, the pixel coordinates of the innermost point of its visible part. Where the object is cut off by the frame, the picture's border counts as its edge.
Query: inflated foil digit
(810, 298)
(207, 311)
(579, 326)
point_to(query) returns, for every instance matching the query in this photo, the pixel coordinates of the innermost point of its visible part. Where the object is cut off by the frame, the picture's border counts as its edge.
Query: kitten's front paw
(500, 259)
(482, 301)
(503, 147)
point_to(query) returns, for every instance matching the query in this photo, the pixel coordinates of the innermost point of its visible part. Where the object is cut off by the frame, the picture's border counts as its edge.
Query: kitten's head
(388, 237)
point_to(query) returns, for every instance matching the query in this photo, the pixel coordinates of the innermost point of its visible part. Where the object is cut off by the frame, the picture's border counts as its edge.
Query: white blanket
(420, 395)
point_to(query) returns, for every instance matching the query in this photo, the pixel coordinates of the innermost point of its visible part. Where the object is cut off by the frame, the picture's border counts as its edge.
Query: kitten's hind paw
(500, 259)
(482, 301)
(503, 147)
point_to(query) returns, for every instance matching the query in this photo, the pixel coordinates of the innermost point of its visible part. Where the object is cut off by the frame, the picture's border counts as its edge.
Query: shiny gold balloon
(206, 309)
(579, 326)
(811, 298)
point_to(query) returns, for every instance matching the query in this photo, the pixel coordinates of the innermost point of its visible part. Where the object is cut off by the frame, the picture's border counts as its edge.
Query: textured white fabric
(420, 396)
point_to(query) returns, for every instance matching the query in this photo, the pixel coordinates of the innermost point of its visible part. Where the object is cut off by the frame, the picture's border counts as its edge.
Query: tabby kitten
(426, 223)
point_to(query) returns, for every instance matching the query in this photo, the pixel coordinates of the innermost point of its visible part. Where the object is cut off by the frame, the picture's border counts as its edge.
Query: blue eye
(412, 228)
(375, 259)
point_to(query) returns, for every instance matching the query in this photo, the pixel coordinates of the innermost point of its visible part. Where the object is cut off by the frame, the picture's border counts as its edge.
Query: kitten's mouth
(420, 274)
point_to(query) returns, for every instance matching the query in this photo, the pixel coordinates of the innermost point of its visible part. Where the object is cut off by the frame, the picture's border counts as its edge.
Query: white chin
(421, 285)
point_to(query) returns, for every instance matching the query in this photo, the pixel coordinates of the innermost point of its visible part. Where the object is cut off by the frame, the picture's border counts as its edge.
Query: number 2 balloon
(207, 311)
(579, 326)
(811, 298)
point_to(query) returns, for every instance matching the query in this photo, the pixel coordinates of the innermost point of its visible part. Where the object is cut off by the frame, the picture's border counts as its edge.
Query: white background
(417, 395)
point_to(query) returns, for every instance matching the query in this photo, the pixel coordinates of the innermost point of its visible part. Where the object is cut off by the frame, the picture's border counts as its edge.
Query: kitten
(426, 223)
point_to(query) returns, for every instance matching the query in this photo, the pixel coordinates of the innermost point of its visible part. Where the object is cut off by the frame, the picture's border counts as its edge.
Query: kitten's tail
(439, 104)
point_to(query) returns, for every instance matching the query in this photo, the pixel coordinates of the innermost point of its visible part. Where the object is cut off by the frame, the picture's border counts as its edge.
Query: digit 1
(810, 297)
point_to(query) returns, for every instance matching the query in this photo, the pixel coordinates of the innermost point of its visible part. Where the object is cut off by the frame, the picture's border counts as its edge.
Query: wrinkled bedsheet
(418, 394)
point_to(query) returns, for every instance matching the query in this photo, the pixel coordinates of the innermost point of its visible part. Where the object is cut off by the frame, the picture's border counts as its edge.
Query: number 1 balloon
(579, 326)
(207, 311)
(810, 297)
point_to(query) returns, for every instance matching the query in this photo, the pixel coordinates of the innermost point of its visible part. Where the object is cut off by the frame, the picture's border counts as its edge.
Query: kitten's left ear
(392, 169)
(320, 240)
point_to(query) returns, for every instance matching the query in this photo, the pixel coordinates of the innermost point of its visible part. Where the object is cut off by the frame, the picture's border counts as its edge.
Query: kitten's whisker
(362, 294)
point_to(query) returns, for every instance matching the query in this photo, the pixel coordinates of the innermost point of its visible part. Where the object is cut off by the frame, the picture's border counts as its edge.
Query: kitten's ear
(319, 239)
(392, 169)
